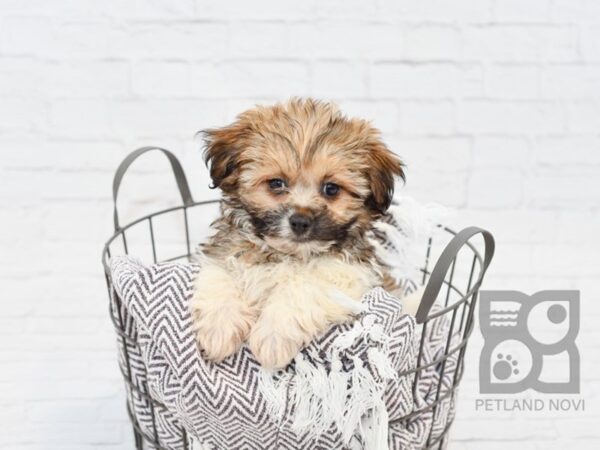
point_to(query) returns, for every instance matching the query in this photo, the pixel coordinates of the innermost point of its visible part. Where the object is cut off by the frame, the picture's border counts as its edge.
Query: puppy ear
(223, 148)
(385, 166)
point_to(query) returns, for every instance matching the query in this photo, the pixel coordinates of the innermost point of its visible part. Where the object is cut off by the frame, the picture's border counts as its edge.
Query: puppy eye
(330, 189)
(276, 184)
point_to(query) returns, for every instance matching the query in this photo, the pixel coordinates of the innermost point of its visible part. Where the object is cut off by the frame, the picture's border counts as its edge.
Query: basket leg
(139, 442)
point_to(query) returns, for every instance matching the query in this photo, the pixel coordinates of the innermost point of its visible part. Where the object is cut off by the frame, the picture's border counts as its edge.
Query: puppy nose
(299, 223)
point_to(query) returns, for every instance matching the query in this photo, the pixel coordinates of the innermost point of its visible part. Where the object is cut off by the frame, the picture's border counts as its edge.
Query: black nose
(299, 223)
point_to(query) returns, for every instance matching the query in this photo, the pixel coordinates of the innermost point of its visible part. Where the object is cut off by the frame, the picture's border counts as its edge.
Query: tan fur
(259, 282)
(412, 301)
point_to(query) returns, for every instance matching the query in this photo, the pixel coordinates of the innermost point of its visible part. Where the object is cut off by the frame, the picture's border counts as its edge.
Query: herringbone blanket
(236, 405)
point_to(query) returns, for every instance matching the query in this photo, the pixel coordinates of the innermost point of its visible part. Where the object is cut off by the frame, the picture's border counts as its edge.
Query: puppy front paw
(221, 338)
(273, 347)
(221, 318)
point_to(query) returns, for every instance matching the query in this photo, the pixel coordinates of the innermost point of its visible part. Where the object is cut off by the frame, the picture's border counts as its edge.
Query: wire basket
(452, 273)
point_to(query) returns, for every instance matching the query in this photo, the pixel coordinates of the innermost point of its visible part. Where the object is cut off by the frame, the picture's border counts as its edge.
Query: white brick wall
(494, 105)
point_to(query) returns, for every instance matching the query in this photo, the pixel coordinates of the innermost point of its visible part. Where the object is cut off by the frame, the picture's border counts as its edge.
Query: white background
(493, 104)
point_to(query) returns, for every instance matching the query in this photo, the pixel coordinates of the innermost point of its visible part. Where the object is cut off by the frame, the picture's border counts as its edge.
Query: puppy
(302, 185)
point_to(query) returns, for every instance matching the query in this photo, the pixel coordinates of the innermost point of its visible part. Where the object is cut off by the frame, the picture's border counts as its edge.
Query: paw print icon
(529, 342)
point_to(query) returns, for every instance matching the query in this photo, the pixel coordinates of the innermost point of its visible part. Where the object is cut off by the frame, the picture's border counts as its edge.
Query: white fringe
(352, 400)
(415, 223)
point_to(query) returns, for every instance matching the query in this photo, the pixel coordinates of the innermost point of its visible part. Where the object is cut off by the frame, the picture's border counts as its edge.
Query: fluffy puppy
(302, 185)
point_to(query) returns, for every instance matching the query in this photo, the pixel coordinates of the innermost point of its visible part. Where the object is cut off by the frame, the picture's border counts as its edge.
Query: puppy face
(307, 176)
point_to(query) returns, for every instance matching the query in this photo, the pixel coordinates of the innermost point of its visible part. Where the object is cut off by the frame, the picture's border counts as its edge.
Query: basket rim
(464, 297)
(119, 232)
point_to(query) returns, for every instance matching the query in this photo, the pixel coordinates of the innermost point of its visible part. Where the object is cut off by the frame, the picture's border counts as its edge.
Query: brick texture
(493, 104)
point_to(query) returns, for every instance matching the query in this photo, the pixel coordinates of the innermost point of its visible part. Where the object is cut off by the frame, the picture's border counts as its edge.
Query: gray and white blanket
(352, 388)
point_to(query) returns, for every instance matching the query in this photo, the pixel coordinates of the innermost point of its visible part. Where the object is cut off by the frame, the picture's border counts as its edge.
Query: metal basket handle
(180, 178)
(445, 260)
